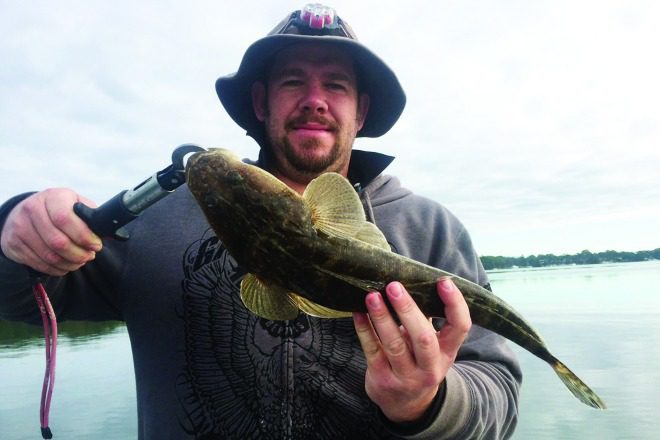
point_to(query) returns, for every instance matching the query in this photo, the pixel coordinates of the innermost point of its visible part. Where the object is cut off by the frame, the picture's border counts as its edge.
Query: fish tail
(579, 389)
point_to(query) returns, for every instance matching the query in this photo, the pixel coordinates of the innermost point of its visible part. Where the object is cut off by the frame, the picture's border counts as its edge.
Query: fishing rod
(108, 220)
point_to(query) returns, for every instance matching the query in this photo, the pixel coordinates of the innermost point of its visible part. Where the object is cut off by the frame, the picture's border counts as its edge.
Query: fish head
(219, 178)
(249, 209)
(214, 174)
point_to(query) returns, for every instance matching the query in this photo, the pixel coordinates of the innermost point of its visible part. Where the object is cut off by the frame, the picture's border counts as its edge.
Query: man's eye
(337, 86)
(292, 82)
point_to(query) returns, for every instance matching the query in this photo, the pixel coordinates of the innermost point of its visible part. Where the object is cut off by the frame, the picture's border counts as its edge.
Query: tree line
(584, 257)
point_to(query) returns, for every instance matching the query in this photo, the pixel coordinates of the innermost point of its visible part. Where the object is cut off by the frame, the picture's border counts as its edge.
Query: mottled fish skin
(269, 230)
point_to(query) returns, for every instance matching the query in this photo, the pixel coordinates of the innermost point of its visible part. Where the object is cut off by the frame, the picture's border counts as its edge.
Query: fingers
(406, 363)
(61, 223)
(405, 348)
(414, 344)
(381, 338)
(457, 314)
(369, 341)
(395, 345)
(44, 233)
(402, 377)
(418, 328)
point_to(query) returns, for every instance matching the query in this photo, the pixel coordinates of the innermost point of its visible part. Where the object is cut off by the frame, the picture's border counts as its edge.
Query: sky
(536, 123)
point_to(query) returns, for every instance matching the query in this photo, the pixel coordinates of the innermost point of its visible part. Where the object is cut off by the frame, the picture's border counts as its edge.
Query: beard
(305, 158)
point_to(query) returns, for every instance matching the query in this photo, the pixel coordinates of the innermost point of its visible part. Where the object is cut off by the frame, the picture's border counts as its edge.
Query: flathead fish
(317, 253)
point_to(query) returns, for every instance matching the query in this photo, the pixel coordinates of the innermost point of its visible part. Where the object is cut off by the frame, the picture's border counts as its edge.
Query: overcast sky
(536, 122)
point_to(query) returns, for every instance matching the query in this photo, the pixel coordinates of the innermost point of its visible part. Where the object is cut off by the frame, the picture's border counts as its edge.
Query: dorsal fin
(269, 302)
(337, 211)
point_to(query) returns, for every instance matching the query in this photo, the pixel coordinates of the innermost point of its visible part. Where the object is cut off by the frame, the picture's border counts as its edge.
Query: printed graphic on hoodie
(246, 377)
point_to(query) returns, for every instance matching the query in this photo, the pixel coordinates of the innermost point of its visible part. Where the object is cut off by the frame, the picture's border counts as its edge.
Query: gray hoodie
(206, 368)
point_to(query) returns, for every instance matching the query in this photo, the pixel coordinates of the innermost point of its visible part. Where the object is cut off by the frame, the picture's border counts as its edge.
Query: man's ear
(259, 100)
(362, 110)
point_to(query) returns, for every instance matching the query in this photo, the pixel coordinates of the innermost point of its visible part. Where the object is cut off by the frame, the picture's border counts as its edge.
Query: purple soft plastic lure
(50, 335)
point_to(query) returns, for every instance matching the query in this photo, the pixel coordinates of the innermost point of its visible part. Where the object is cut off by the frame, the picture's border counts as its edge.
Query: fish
(316, 253)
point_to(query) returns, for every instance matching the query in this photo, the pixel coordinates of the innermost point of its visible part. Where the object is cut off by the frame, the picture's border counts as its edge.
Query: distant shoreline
(584, 257)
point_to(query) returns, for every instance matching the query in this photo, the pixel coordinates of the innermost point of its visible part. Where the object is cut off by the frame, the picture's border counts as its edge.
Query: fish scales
(309, 253)
(487, 310)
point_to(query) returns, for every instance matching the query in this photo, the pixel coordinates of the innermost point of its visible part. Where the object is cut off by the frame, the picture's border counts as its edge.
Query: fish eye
(233, 177)
(209, 201)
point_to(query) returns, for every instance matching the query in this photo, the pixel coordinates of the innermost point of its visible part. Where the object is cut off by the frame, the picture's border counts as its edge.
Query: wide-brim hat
(314, 23)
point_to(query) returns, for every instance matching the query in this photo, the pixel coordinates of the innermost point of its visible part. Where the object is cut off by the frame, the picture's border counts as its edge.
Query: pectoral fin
(314, 309)
(337, 210)
(336, 207)
(267, 301)
(370, 234)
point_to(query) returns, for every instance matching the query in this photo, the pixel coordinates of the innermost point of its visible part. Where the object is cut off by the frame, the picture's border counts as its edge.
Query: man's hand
(44, 233)
(406, 364)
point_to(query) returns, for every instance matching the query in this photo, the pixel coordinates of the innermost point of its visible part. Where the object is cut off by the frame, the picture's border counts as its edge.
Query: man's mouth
(311, 126)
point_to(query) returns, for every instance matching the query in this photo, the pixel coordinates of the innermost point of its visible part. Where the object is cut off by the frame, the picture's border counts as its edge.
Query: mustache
(292, 123)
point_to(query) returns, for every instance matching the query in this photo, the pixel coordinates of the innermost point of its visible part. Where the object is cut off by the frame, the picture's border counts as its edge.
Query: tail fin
(577, 387)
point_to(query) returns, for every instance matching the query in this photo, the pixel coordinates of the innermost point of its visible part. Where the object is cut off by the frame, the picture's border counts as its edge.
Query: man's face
(311, 110)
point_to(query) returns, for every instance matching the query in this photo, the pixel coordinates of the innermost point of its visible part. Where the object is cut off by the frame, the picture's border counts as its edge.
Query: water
(94, 394)
(603, 321)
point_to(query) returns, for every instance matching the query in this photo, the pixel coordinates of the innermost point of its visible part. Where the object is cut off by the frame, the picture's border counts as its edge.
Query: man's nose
(314, 99)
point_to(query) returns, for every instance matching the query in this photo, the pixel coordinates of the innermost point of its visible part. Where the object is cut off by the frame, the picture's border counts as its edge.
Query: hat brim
(386, 96)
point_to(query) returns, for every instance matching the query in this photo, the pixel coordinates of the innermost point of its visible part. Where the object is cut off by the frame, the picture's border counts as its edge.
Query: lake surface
(603, 321)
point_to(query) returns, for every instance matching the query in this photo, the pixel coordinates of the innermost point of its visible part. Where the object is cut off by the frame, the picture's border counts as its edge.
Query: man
(205, 366)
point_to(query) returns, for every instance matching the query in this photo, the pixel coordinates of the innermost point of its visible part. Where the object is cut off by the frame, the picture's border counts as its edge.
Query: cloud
(536, 122)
